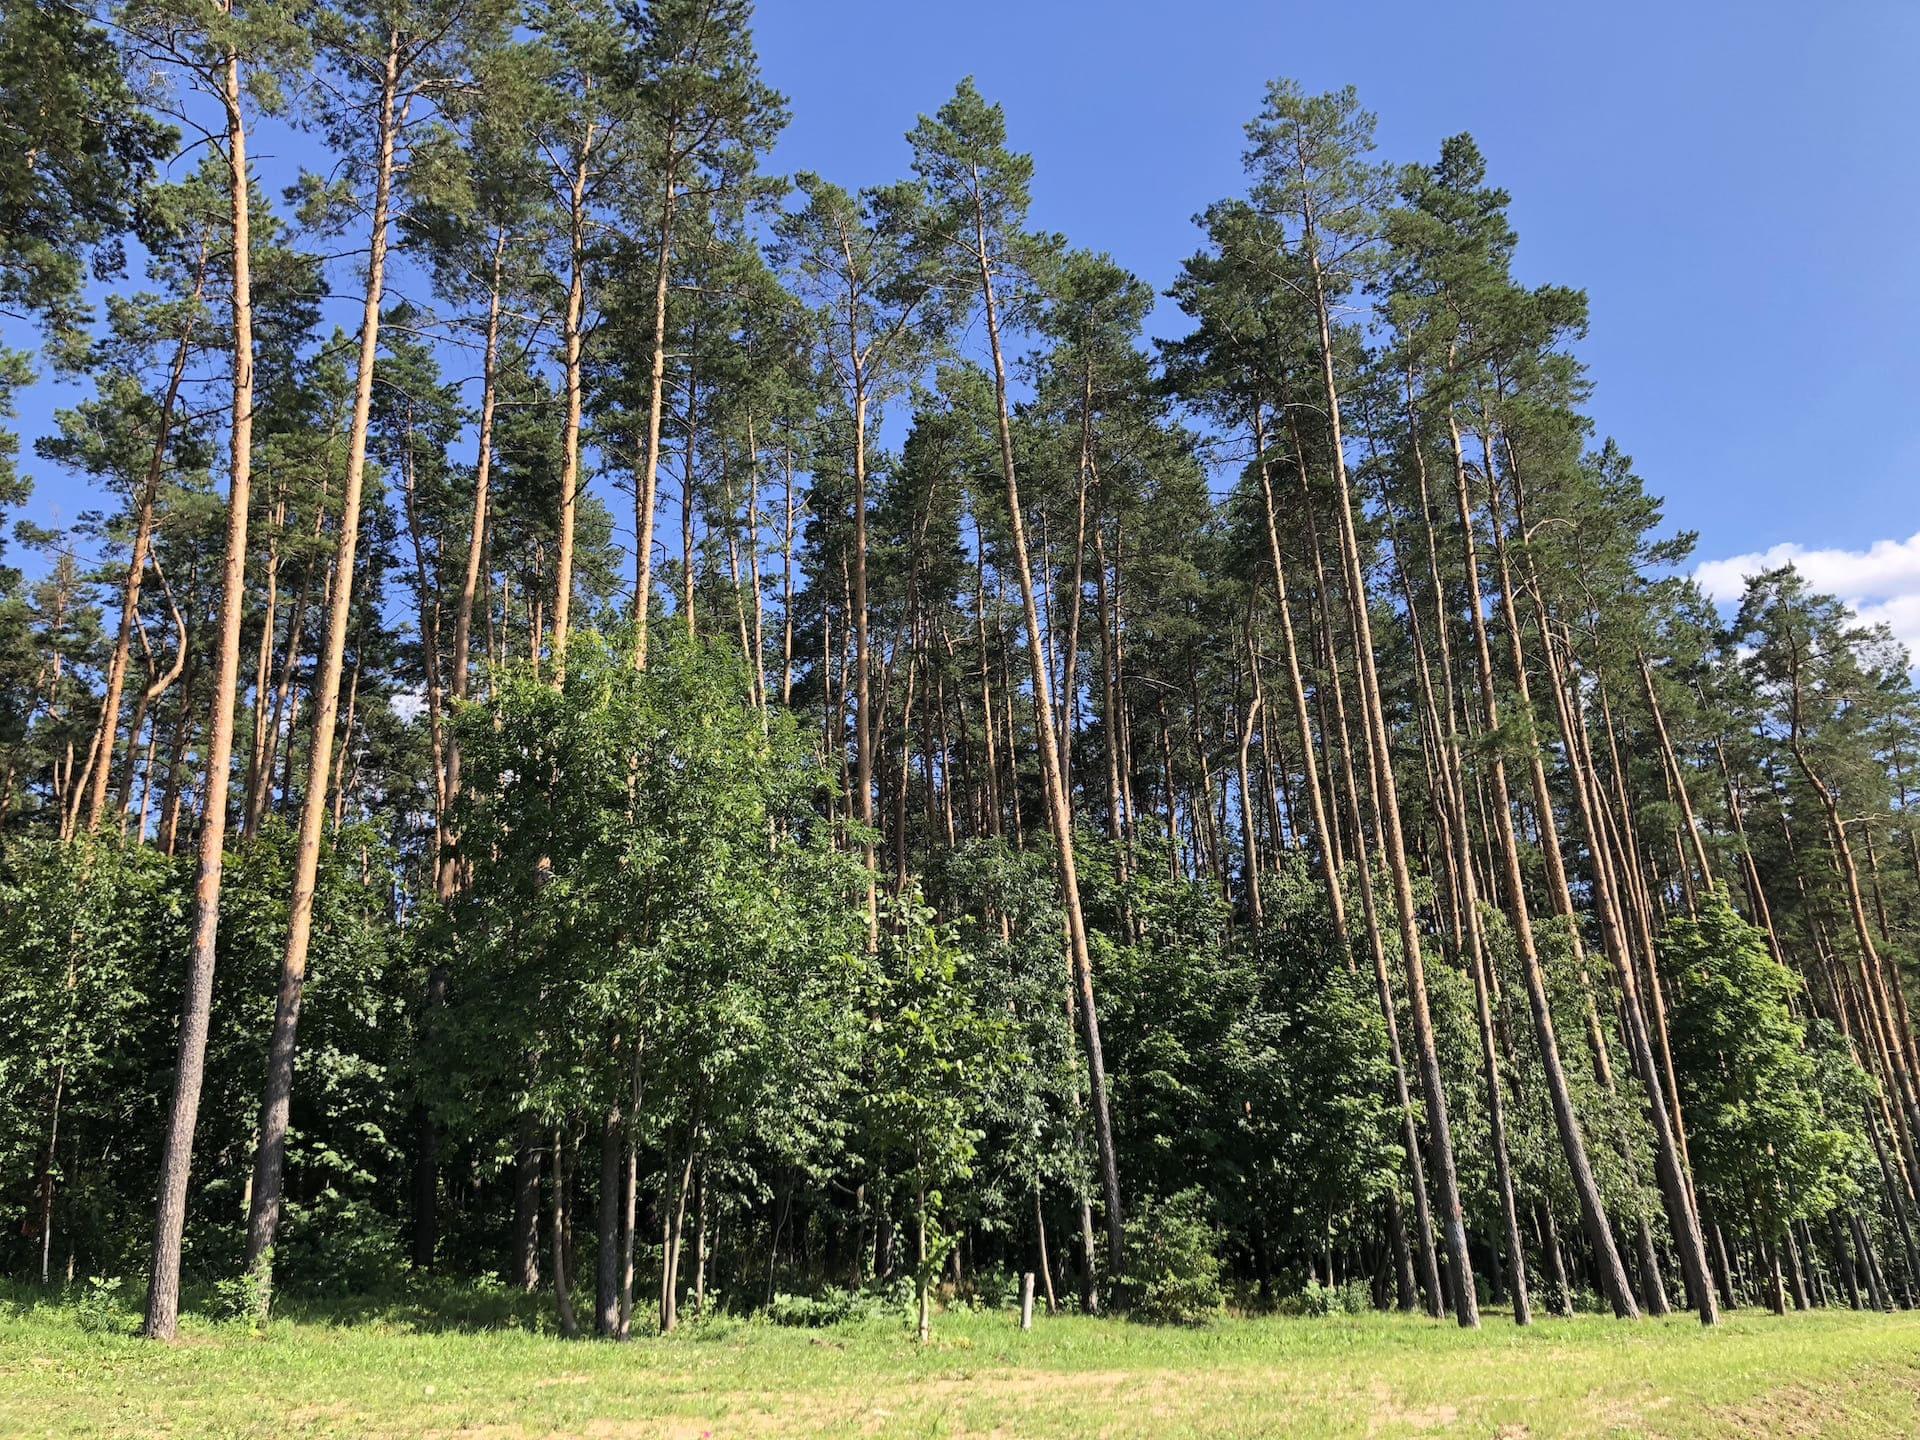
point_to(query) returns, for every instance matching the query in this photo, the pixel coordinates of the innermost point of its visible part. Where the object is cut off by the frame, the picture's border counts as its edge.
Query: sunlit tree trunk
(176, 1156)
(270, 1159)
(461, 677)
(571, 337)
(1612, 1272)
(1059, 806)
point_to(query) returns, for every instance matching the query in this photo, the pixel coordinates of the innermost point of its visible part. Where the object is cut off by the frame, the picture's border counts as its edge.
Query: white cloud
(1881, 583)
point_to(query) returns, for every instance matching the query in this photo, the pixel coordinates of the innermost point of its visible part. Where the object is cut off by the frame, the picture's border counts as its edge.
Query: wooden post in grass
(1026, 1300)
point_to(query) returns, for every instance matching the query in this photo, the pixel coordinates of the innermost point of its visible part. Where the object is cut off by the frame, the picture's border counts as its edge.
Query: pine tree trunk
(176, 1156)
(1466, 1305)
(270, 1159)
(476, 539)
(689, 480)
(1450, 807)
(1059, 805)
(259, 766)
(1316, 799)
(1593, 1215)
(136, 568)
(863, 724)
(649, 489)
(572, 327)
(1676, 1189)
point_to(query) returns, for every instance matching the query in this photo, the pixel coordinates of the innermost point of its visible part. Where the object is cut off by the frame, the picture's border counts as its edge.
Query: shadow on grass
(421, 1304)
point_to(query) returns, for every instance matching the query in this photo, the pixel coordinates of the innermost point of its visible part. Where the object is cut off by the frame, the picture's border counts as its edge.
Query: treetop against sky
(1729, 183)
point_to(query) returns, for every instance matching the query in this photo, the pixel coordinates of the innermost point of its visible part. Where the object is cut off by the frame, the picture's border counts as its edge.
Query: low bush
(246, 1298)
(102, 1306)
(1317, 1301)
(832, 1306)
(1173, 1266)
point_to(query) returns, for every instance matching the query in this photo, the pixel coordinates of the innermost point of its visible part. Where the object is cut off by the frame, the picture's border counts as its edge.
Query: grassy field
(398, 1371)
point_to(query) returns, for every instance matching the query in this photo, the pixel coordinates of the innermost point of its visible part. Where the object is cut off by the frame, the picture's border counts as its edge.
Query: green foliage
(90, 935)
(653, 898)
(103, 1307)
(341, 1243)
(834, 1305)
(1762, 1147)
(1255, 1065)
(247, 1298)
(78, 148)
(1173, 1268)
(83, 931)
(1317, 1301)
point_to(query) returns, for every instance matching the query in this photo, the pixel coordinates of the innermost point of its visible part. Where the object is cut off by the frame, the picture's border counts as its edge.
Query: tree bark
(1059, 805)
(1466, 1304)
(176, 1156)
(1593, 1214)
(270, 1159)
(570, 439)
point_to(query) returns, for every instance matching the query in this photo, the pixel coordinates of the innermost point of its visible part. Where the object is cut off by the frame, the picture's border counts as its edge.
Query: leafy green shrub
(340, 1245)
(832, 1306)
(246, 1298)
(1316, 1301)
(102, 1308)
(1173, 1270)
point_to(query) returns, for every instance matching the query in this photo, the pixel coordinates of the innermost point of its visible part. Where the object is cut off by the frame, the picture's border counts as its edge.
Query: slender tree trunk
(1593, 1214)
(1451, 808)
(689, 483)
(526, 1205)
(270, 1159)
(137, 565)
(1678, 779)
(676, 1216)
(559, 1258)
(863, 725)
(1040, 1245)
(1376, 944)
(1059, 805)
(476, 536)
(790, 511)
(1322, 833)
(1676, 1189)
(1439, 1126)
(259, 765)
(176, 1156)
(649, 489)
(143, 713)
(427, 606)
(570, 439)
(606, 1309)
(630, 1193)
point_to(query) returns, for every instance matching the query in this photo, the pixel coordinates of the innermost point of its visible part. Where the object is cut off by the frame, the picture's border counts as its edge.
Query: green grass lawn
(477, 1371)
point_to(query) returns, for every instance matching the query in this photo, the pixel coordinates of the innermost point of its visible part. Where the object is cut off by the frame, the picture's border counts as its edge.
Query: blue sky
(1736, 186)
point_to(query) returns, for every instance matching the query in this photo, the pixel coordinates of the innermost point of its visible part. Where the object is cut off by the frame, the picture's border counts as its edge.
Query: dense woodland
(682, 739)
